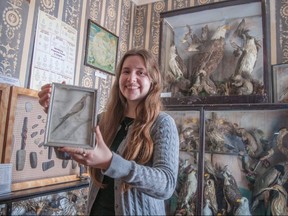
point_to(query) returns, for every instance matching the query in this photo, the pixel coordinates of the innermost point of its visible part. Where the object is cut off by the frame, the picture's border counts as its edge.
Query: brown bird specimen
(210, 193)
(188, 190)
(278, 199)
(207, 60)
(269, 178)
(230, 190)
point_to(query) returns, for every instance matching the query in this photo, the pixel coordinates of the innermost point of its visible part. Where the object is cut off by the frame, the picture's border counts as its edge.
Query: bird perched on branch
(247, 55)
(210, 56)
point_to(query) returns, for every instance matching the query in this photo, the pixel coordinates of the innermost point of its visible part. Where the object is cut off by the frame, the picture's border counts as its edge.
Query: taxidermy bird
(210, 193)
(243, 84)
(188, 190)
(269, 178)
(230, 190)
(279, 200)
(176, 63)
(210, 56)
(252, 141)
(247, 57)
(77, 107)
(281, 141)
(243, 208)
(281, 145)
(207, 208)
(187, 35)
(248, 52)
(277, 195)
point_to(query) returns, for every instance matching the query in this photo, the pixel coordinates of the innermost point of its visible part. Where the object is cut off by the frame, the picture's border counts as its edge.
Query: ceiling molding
(142, 2)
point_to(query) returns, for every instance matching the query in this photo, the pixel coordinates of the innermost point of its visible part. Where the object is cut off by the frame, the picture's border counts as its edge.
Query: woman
(134, 165)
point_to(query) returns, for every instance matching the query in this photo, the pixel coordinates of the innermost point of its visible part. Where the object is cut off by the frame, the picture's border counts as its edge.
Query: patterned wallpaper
(136, 26)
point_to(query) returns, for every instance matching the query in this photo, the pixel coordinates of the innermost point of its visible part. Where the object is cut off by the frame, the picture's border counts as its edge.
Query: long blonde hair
(140, 148)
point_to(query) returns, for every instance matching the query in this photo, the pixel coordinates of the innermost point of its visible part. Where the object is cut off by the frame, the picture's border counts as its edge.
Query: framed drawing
(280, 83)
(101, 48)
(24, 145)
(4, 99)
(71, 116)
(215, 53)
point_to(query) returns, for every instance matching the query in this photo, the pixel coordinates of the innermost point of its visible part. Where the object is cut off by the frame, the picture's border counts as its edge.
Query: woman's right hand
(44, 96)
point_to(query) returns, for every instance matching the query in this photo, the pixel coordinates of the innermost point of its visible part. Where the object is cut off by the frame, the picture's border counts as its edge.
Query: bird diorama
(245, 163)
(196, 63)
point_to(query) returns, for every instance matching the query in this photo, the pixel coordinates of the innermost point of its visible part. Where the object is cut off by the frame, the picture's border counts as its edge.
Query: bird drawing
(76, 108)
(209, 57)
(176, 63)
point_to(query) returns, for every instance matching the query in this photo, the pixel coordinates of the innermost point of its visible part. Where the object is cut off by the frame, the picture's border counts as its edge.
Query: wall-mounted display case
(215, 53)
(241, 159)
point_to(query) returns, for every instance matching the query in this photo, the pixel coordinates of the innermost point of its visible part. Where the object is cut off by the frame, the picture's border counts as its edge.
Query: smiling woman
(136, 142)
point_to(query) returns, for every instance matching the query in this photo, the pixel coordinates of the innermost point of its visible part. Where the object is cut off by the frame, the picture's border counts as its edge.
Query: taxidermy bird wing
(205, 33)
(187, 35)
(176, 63)
(77, 107)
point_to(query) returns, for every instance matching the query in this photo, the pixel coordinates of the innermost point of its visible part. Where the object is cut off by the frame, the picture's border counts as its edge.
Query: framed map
(101, 48)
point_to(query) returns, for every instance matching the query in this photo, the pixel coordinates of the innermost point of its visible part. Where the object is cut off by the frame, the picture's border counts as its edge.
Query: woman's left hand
(100, 157)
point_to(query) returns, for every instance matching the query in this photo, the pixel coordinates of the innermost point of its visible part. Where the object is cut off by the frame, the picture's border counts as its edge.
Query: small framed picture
(71, 116)
(101, 48)
(280, 83)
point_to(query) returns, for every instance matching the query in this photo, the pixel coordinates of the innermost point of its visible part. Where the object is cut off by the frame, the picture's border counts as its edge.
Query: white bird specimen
(176, 63)
(188, 190)
(207, 210)
(243, 208)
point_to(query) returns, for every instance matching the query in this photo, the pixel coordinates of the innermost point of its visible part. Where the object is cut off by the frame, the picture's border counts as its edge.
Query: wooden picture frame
(34, 165)
(71, 116)
(280, 80)
(101, 48)
(203, 50)
(4, 100)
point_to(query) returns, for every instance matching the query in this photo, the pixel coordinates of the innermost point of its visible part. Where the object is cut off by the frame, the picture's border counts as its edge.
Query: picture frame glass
(71, 116)
(280, 80)
(213, 51)
(101, 48)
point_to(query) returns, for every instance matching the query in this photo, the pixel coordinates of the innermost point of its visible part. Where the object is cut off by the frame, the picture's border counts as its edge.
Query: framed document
(71, 116)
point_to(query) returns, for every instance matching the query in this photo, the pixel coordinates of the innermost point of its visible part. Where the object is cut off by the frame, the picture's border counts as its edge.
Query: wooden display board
(4, 98)
(34, 164)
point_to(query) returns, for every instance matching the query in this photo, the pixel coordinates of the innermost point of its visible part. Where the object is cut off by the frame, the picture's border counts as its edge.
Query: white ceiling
(142, 2)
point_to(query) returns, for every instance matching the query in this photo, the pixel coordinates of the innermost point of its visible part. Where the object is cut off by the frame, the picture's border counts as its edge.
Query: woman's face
(134, 81)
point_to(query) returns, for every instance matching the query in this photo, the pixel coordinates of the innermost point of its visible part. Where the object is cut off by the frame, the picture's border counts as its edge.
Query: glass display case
(215, 53)
(239, 156)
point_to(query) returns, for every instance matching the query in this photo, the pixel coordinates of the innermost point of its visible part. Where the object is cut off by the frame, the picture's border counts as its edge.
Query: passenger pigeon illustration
(77, 107)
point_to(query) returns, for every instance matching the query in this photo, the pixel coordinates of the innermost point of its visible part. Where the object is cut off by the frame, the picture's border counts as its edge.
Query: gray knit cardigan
(152, 183)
